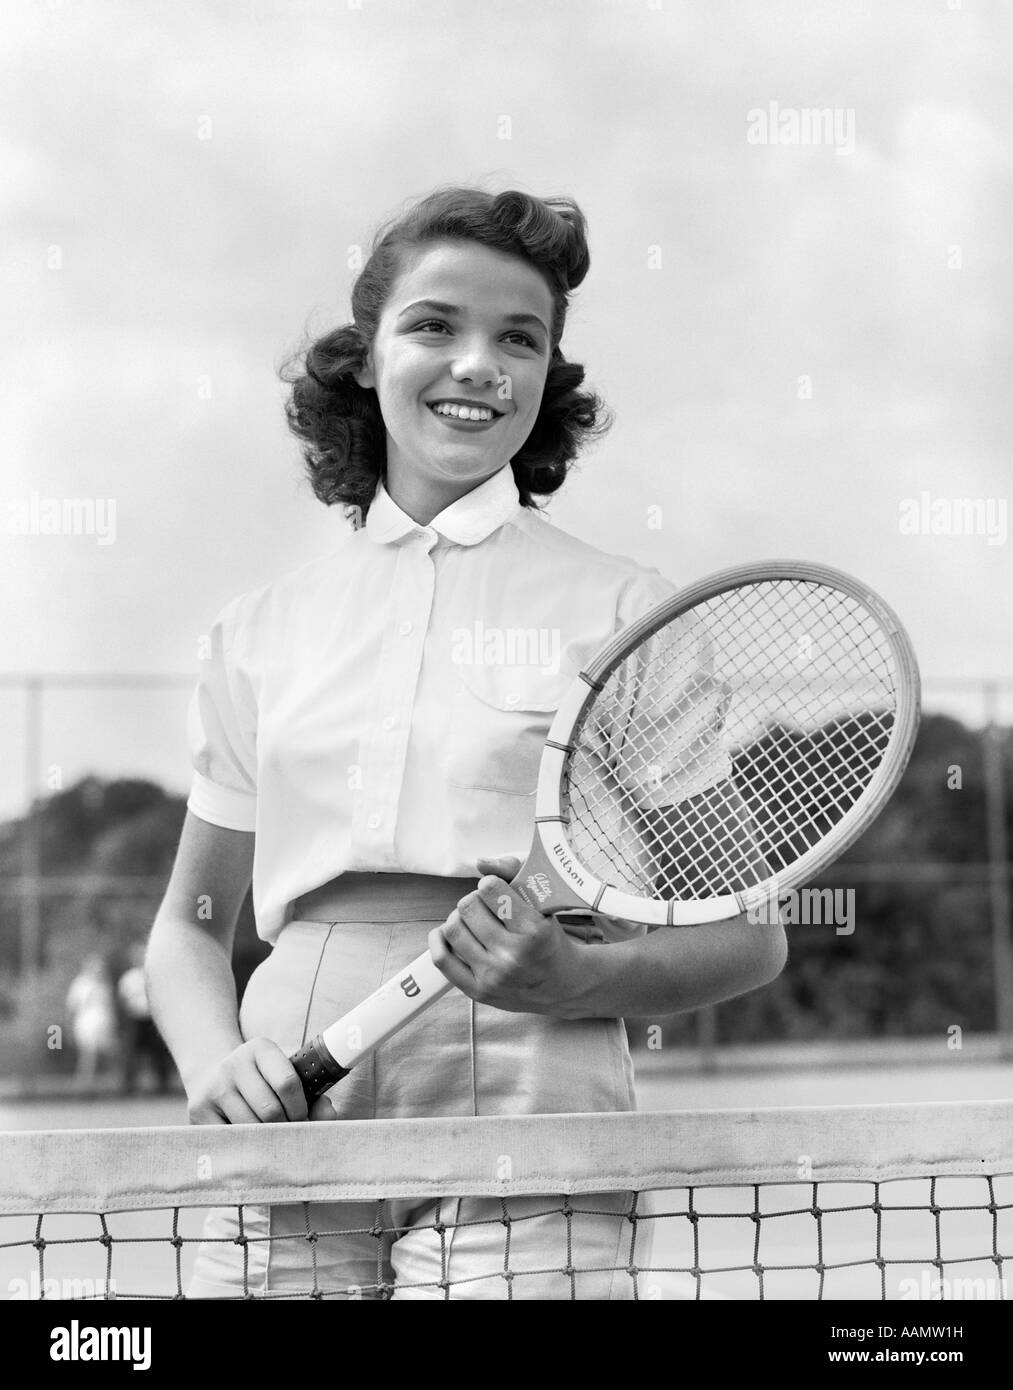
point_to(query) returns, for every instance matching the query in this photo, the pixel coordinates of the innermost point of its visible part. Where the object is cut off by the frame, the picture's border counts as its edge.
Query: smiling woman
(364, 765)
(459, 394)
(467, 275)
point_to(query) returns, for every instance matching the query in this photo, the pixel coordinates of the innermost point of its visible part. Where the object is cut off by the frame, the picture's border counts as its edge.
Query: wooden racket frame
(553, 861)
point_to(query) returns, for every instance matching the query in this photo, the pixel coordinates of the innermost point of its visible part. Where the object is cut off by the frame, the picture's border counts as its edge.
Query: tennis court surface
(845, 1202)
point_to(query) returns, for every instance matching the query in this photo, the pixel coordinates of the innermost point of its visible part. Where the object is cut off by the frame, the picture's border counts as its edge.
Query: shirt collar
(467, 521)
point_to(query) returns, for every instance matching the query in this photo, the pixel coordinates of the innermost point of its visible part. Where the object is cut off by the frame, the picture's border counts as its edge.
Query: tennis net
(852, 1202)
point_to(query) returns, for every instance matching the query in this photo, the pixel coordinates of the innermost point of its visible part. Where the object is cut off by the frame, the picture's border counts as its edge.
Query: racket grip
(318, 1071)
(332, 1054)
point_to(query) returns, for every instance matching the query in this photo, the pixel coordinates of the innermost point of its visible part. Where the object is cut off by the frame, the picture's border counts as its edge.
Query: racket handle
(318, 1071)
(332, 1054)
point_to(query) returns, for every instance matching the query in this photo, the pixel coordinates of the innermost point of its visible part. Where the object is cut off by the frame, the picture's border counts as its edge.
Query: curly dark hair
(344, 442)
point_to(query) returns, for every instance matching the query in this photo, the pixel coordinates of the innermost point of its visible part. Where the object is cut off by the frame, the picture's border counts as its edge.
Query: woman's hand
(498, 950)
(253, 1084)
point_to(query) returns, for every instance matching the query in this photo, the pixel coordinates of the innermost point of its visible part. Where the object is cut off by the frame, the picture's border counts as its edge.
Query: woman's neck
(424, 498)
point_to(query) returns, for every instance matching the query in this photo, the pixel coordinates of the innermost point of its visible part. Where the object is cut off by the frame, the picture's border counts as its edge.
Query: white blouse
(384, 707)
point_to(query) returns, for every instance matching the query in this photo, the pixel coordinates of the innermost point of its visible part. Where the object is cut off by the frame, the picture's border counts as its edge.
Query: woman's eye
(438, 326)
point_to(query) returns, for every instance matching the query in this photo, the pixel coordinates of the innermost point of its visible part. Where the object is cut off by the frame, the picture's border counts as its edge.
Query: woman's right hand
(253, 1084)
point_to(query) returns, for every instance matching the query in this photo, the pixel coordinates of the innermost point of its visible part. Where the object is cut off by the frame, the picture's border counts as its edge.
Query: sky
(804, 342)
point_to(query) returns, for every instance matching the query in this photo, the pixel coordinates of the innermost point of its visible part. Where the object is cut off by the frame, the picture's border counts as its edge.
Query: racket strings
(773, 765)
(732, 741)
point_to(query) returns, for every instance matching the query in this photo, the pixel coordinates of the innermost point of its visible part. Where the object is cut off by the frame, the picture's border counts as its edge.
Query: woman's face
(458, 363)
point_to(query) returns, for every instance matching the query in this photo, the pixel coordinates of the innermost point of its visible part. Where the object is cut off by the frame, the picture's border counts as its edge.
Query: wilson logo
(409, 986)
(566, 863)
(540, 886)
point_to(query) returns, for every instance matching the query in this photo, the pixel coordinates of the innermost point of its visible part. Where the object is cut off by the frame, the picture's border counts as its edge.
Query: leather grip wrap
(318, 1071)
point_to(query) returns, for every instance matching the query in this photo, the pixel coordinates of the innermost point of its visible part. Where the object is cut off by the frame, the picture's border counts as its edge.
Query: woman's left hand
(498, 950)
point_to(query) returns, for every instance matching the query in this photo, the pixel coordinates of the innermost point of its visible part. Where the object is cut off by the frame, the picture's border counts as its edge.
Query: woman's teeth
(462, 412)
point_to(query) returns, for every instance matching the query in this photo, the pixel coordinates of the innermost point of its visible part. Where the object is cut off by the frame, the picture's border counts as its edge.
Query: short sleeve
(222, 732)
(644, 591)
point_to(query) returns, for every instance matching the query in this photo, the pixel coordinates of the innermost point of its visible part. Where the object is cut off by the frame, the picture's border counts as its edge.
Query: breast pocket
(499, 717)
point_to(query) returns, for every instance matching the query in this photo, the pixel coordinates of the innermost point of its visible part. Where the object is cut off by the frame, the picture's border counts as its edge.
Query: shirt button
(404, 628)
(374, 821)
(389, 722)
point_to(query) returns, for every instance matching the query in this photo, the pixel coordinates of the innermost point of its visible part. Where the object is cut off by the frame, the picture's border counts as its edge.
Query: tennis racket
(718, 752)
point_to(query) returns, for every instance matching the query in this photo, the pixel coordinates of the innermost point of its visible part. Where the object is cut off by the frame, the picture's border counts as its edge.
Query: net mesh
(742, 731)
(883, 1202)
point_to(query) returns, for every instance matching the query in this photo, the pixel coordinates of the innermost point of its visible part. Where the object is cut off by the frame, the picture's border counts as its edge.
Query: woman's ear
(365, 375)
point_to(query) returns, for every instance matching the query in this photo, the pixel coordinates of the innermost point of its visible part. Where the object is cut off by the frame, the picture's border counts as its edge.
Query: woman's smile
(464, 415)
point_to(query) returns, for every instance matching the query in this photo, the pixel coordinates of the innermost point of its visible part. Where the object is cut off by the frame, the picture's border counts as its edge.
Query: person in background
(141, 1039)
(91, 1004)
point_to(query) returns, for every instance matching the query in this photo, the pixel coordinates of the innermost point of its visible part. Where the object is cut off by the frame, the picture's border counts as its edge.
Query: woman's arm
(674, 969)
(193, 993)
(499, 951)
(187, 966)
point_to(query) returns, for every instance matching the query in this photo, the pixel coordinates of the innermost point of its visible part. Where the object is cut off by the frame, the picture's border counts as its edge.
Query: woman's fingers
(322, 1109)
(282, 1078)
(457, 971)
(237, 1110)
(466, 938)
(255, 1084)
(254, 1090)
(505, 868)
(206, 1114)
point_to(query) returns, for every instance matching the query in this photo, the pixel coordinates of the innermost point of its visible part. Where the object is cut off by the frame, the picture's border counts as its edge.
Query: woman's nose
(476, 362)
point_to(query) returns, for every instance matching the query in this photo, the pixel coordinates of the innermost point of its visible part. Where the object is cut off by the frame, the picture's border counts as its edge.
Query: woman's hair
(339, 422)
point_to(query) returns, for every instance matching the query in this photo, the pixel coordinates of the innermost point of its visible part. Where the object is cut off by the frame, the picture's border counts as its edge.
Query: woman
(366, 738)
